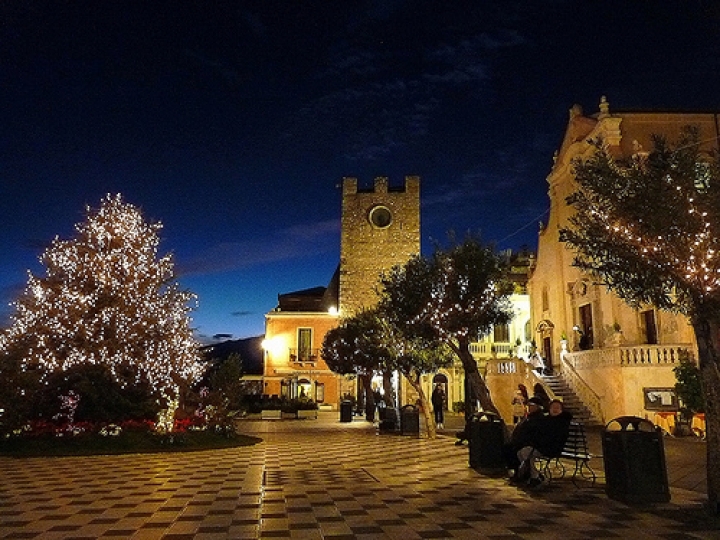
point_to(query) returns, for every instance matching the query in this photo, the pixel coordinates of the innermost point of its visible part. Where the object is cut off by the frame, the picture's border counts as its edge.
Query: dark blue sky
(233, 122)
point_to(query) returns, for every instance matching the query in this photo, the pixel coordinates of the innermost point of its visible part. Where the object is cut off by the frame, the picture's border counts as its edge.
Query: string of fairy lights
(699, 268)
(106, 298)
(442, 308)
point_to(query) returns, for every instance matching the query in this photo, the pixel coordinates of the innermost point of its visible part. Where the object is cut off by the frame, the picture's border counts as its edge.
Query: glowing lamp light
(333, 311)
(275, 345)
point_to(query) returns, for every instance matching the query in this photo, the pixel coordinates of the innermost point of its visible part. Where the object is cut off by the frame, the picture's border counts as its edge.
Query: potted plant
(289, 408)
(307, 409)
(271, 409)
(618, 338)
(688, 389)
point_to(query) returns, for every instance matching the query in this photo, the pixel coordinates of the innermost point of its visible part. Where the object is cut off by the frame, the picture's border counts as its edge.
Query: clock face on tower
(380, 216)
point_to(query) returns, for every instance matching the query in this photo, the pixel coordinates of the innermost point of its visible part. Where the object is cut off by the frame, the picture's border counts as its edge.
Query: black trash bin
(388, 419)
(346, 411)
(634, 458)
(486, 439)
(409, 420)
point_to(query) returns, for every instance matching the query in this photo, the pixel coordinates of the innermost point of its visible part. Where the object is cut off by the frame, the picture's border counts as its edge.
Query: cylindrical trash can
(388, 419)
(346, 411)
(409, 420)
(634, 458)
(486, 439)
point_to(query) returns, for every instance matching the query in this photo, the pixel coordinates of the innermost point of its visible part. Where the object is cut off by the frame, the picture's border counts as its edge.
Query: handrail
(581, 388)
(538, 379)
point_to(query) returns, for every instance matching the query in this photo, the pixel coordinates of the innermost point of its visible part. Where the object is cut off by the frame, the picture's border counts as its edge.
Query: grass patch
(127, 442)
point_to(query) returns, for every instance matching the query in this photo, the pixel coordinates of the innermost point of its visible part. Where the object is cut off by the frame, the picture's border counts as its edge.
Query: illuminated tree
(368, 343)
(358, 346)
(649, 228)
(107, 299)
(415, 356)
(453, 296)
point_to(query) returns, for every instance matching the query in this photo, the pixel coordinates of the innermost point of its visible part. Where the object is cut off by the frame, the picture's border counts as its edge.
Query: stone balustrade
(635, 356)
(605, 380)
(504, 366)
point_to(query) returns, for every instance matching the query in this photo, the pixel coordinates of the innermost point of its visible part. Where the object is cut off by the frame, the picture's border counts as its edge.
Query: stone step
(561, 389)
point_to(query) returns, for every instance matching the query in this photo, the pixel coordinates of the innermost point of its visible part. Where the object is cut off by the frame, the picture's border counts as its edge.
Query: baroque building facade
(611, 354)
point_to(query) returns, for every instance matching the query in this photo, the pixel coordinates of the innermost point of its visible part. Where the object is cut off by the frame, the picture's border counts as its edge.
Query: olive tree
(452, 296)
(648, 227)
(368, 342)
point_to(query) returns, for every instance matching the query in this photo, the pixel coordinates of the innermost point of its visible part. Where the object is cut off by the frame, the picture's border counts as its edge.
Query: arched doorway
(545, 330)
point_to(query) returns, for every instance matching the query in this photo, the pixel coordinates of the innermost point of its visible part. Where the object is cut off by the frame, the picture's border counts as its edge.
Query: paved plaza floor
(323, 479)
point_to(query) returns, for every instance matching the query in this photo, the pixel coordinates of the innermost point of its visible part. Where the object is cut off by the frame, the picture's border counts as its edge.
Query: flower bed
(42, 438)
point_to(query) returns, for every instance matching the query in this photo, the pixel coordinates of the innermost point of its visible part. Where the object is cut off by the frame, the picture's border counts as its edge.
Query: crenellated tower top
(380, 228)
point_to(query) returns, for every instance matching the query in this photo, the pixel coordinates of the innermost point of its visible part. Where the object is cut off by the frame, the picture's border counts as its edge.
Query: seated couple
(539, 434)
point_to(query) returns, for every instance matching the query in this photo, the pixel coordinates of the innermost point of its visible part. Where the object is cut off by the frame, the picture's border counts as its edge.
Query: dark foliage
(101, 398)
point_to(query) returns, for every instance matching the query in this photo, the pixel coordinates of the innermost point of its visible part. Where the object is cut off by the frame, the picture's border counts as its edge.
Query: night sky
(234, 122)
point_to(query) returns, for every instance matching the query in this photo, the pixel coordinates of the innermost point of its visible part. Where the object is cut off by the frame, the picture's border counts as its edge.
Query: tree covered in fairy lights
(454, 296)
(358, 347)
(648, 227)
(107, 299)
(416, 355)
(369, 343)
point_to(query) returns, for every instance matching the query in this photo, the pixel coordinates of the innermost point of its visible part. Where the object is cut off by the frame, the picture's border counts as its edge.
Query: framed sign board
(660, 399)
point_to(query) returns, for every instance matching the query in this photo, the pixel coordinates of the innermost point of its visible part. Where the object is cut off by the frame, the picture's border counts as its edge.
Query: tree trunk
(389, 391)
(707, 335)
(478, 389)
(369, 397)
(425, 408)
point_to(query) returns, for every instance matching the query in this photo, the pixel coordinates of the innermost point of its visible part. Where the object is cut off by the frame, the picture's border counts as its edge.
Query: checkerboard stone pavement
(317, 479)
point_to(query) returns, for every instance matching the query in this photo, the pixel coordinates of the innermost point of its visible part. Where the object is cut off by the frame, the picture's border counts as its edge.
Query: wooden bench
(576, 450)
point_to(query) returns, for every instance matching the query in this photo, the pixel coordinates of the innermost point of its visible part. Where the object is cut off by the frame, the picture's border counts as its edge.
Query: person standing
(524, 392)
(438, 403)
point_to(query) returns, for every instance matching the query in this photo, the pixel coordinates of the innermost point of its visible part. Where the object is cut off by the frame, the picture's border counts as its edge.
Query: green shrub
(307, 405)
(101, 397)
(688, 386)
(17, 390)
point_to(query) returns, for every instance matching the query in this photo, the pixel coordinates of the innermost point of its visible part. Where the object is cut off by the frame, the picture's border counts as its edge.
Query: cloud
(466, 190)
(242, 313)
(226, 71)
(380, 98)
(298, 241)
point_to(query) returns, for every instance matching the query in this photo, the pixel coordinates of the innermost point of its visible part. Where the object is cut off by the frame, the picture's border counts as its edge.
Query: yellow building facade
(608, 351)
(293, 366)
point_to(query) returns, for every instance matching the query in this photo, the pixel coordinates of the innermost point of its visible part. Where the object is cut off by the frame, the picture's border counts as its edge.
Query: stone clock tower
(380, 228)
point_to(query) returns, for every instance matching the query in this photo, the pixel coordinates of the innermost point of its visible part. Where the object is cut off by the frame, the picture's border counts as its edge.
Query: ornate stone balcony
(629, 356)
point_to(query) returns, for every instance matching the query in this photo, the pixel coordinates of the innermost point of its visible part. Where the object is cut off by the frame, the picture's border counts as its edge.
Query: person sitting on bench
(547, 440)
(524, 435)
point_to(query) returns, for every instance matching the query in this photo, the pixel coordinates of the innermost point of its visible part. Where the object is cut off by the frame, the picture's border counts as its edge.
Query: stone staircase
(572, 403)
